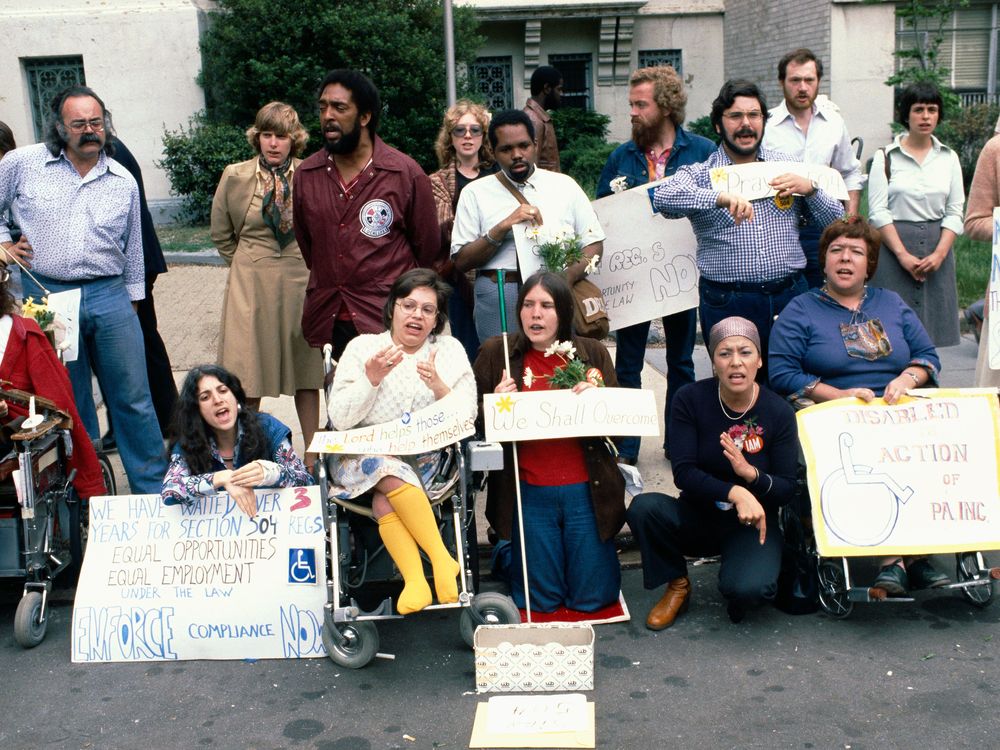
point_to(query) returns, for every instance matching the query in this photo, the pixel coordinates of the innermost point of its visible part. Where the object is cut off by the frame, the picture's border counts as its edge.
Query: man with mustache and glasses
(79, 210)
(483, 239)
(749, 257)
(813, 132)
(659, 147)
(363, 214)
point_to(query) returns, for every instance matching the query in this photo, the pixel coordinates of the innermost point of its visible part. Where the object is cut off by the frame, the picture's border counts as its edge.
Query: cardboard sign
(993, 298)
(647, 268)
(163, 583)
(752, 181)
(437, 426)
(541, 415)
(917, 477)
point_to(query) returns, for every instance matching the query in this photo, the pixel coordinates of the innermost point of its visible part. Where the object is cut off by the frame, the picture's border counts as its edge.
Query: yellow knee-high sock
(414, 510)
(403, 550)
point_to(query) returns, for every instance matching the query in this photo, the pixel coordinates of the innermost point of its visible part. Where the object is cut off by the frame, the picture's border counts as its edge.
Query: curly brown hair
(281, 119)
(443, 146)
(668, 89)
(854, 227)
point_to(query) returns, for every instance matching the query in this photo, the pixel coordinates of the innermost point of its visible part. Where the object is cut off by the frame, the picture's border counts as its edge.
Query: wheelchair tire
(359, 646)
(489, 608)
(967, 569)
(108, 473)
(29, 629)
(833, 590)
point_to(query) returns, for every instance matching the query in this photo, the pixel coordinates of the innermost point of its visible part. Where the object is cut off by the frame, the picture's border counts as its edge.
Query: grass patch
(972, 269)
(184, 238)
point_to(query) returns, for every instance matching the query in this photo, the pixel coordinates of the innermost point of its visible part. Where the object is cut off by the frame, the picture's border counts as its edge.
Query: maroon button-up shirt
(356, 243)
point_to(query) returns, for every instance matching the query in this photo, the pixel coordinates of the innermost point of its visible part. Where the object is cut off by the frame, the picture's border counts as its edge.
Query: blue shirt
(806, 347)
(79, 228)
(629, 161)
(764, 249)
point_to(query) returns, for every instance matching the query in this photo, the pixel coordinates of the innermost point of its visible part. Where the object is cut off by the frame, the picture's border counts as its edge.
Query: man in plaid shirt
(749, 257)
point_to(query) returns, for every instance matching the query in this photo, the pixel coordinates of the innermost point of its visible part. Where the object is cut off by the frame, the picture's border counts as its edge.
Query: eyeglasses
(411, 308)
(735, 117)
(461, 130)
(78, 126)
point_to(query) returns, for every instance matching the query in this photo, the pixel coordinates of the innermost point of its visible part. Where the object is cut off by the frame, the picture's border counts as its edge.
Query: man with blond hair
(658, 147)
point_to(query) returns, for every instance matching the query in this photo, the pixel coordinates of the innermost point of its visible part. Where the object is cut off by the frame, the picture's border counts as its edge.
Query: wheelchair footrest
(384, 611)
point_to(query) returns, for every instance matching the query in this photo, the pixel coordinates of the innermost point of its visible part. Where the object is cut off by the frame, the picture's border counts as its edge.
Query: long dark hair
(55, 130)
(194, 437)
(562, 298)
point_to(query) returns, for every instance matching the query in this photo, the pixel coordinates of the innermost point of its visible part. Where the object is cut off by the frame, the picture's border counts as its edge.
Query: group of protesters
(800, 300)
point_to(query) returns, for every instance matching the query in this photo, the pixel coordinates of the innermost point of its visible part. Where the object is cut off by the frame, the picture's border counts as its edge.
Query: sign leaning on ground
(205, 581)
(917, 477)
(993, 298)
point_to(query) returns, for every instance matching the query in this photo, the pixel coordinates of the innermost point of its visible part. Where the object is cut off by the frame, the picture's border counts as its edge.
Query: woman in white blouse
(381, 377)
(916, 198)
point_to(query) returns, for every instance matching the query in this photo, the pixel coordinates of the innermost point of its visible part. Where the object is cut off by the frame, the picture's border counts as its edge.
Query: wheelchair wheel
(108, 473)
(360, 642)
(79, 522)
(967, 568)
(833, 589)
(489, 608)
(29, 628)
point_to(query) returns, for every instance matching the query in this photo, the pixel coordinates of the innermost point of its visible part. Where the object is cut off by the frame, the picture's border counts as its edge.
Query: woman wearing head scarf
(261, 335)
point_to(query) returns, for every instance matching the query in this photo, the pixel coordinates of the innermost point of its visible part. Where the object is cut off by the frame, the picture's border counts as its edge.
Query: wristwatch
(815, 187)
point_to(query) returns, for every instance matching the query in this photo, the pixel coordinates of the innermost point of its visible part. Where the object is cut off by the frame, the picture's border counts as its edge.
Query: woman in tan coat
(261, 335)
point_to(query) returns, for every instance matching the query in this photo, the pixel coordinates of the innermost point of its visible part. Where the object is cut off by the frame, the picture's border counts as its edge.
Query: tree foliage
(582, 146)
(256, 51)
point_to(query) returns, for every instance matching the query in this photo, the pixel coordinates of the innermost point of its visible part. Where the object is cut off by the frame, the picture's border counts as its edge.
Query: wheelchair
(836, 588)
(42, 521)
(361, 574)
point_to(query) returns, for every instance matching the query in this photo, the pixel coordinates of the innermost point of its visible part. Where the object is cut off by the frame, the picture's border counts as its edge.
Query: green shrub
(966, 130)
(585, 160)
(194, 158)
(703, 127)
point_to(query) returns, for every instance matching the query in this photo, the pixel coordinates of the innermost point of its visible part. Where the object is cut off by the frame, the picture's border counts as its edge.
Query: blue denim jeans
(568, 564)
(111, 343)
(679, 330)
(809, 239)
(761, 308)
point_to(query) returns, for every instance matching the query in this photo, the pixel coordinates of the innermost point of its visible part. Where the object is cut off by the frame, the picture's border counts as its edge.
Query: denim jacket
(629, 161)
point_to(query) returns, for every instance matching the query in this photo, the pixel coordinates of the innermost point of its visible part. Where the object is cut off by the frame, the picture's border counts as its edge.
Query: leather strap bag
(590, 313)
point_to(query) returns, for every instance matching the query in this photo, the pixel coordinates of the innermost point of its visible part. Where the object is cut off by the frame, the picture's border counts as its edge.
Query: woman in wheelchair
(572, 494)
(734, 449)
(850, 340)
(381, 377)
(29, 363)
(218, 444)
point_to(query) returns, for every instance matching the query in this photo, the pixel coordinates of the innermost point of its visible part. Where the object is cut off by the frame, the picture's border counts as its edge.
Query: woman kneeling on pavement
(572, 494)
(379, 378)
(219, 444)
(734, 446)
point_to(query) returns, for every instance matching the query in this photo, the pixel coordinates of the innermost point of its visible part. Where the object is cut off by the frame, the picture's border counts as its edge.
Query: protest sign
(441, 424)
(647, 268)
(204, 581)
(541, 415)
(752, 181)
(917, 477)
(993, 297)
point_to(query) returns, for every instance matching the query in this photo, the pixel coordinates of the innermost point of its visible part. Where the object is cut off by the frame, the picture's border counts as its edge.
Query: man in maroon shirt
(363, 214)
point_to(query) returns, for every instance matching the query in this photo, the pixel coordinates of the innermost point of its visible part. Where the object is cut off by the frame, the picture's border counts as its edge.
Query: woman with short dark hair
(916, 198)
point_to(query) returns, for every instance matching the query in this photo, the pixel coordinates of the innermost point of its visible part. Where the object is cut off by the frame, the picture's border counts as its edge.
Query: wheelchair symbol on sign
(301, 565)
(859, 506)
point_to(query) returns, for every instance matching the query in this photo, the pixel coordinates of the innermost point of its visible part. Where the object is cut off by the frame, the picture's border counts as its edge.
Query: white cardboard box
(551, 657)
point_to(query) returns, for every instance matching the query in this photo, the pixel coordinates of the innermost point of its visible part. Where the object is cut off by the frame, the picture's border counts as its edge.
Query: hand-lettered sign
(441, 424)
(993, 298)
(752, 180)
(540, 415)
(202, 581)
(917, 477)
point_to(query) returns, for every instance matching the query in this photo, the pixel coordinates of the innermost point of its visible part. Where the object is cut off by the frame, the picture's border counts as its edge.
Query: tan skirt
(260, 337)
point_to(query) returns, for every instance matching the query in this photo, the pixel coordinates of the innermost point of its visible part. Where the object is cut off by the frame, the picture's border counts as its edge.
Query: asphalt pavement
(899, 675)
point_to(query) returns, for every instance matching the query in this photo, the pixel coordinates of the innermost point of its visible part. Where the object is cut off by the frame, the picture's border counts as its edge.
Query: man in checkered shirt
(749, 257)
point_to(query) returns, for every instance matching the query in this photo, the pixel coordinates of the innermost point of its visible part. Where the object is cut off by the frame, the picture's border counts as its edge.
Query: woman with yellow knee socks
(379, 378)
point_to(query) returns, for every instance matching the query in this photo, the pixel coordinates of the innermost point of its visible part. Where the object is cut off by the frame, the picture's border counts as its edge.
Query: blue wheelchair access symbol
(301, 565)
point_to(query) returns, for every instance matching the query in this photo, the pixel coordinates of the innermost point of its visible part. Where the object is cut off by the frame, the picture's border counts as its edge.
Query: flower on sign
(51, 323)
(559, 249)
(619, 184)
(529, 377)
(592, 264)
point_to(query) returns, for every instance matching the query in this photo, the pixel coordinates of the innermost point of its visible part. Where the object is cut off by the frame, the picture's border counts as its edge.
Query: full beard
(347, 142)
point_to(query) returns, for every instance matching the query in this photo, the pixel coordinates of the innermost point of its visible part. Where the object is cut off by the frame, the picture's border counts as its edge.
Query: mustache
(744, 131)
(89, 138)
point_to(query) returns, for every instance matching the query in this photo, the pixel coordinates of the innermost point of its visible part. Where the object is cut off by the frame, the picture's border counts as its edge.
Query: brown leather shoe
(674, 602)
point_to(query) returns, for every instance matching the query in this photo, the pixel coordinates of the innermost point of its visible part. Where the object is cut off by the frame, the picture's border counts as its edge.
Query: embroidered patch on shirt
(376, 218)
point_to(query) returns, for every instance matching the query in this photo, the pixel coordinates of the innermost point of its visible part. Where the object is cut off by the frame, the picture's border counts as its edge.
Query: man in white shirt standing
(814, 133)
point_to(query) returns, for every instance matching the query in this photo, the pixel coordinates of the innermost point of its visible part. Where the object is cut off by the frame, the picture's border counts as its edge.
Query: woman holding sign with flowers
(380, 378)
(572, 494)
(735, 457)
